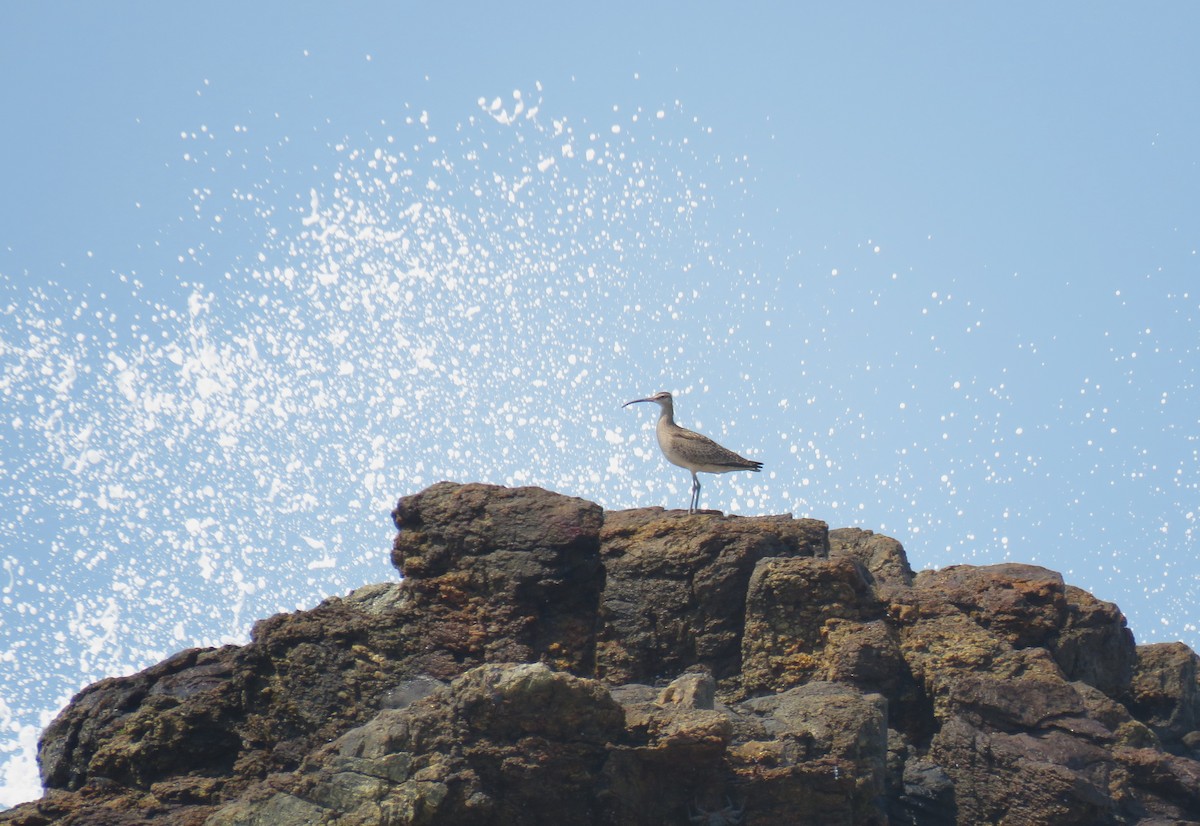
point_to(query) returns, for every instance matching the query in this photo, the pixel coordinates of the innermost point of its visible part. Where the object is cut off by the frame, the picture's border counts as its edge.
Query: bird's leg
(694, 505)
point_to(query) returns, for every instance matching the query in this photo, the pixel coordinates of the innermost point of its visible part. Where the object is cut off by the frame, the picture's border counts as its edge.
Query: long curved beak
(635, 401)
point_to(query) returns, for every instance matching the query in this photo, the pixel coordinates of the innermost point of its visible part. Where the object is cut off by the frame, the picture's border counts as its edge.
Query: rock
(676, 584)
(816, 753)
(305, 677)
(1048, 778)
(1094, 645)
(1165, 694)
(925, 795)
(881, 556)
(1019, 741)
(815, 619)
(133, 729)
(1023, 605)
(694, 689)
(670, 761)
(237, 713)
(543, 661)
(500, 574)
(409, 691)
(498, 743)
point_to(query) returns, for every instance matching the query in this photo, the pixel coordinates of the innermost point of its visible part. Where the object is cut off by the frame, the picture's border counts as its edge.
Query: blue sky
(265, 269)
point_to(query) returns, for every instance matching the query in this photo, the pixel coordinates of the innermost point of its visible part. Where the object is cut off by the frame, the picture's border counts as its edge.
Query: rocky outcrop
(544, 661)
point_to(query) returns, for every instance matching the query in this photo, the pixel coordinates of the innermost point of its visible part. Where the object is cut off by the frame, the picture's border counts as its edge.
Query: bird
(689, 449)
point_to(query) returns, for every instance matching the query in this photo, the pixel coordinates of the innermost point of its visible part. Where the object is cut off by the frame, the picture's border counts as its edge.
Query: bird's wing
(698, 448)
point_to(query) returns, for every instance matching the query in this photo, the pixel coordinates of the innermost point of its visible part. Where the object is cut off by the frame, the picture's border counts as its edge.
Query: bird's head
(662, 398)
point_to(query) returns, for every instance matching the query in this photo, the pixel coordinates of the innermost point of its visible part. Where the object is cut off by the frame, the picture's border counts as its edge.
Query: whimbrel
(690, 450)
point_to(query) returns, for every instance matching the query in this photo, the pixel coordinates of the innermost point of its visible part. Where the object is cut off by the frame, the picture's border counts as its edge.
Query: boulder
(1165, 694)
(675, 587)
